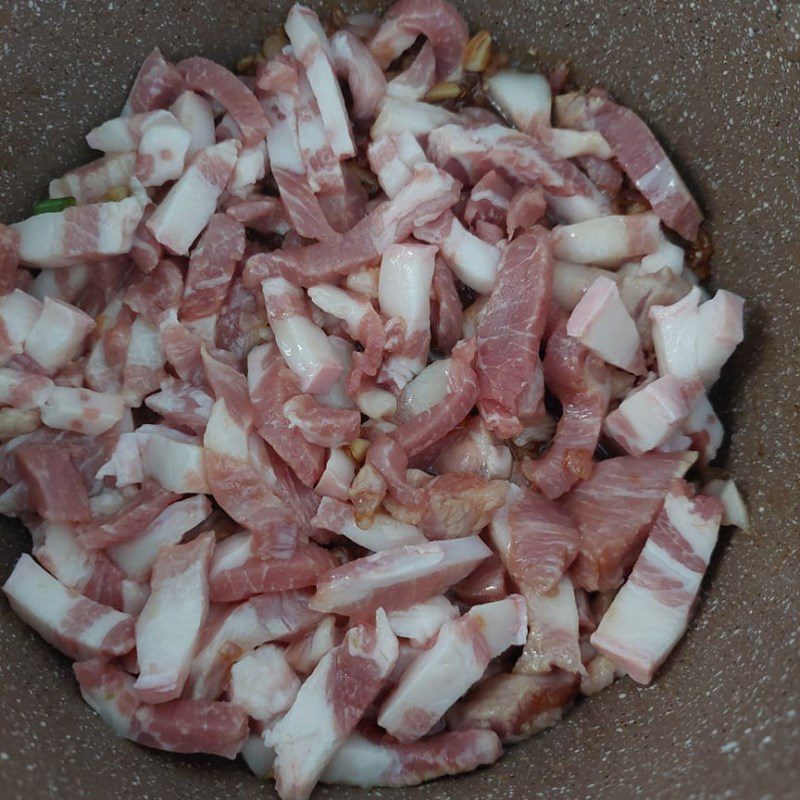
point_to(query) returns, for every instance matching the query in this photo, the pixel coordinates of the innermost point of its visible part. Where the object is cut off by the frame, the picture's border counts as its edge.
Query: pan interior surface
(717, 84)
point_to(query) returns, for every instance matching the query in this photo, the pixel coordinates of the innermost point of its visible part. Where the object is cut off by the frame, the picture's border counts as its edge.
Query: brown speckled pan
(714, 79)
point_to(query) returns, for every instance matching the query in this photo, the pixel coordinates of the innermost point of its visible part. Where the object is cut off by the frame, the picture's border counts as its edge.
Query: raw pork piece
(192, 200)
(430, 192)
(553, 626)
(271, 384)
(438, 21)
(168, 628)
(582, 383)
(510, 330)
(304, 346)
(56, 489)
(223, 86)
(156, 85)
(650, 613)
(384, 533)
(398, 577)
(90, 572)
(137, 556)
(641, 156)
(180, 726)
(234, 463)
(445, 671)
(536, 539)
(79, 234)
(372, 760)
(330, 704)
(75, 625)
(130, 520)
(614, 510)
(263, 683)
(647, 418)
(237, 573)
(261, 619)
(515, 706)
(602, 324)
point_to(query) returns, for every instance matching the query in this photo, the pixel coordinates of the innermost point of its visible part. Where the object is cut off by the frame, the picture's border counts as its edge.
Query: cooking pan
(717, 82)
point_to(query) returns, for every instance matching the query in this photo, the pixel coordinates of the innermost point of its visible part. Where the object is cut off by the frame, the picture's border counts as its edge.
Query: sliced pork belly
(214, 80)
(421, 622)
(647, 418)
(211, 268)
(271, 384)
(306, 651)
(304, 346)
(372, 761)
(75, 625)
(195, 114)
(190, 203)
(552, 632)
(168, 628)
(237, 573)
(354, 62)
(58, 335)
(515, 706)
(78, 234)
(156, 85)
(263, 683)
(91, 182)
(459, 504)
(404, 294)
(57, 548)
(470, 153)
(137, 556)
(438, 21)
(582, 383)
(392, 158)
(418, 79)
(457, 392)
(313, 50)
(340, 469)
(261, 619)
(320, 424)
(301, 159)
(19, 313)
(510, 330)
(602, 324)
(445, 671)
(398, 577)
(234, 470)
(473, 448)
(361, 321)
(536, 539)
(734, 510)
(384, 533)
(180, 726)
(81, 410)
(487, 582)
(607, 241)
(330, 704)
(650, 613)
(130, 520)
(430, 192)
(56, 490)
(694, 340)
(614, 510)
(646, 164)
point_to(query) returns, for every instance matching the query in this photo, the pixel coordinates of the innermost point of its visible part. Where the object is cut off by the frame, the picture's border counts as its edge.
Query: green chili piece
(53, 204)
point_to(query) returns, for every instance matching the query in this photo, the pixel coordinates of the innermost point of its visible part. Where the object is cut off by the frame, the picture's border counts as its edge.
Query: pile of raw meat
(350, 423)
